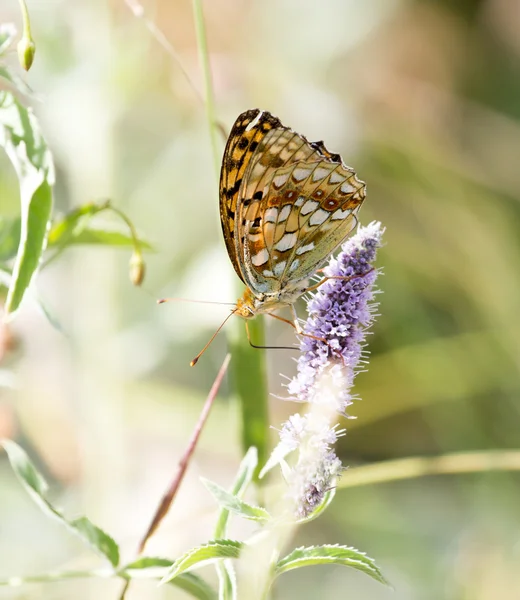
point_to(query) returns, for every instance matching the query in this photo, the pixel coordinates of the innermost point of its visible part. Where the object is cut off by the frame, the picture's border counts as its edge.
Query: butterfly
(285, 205)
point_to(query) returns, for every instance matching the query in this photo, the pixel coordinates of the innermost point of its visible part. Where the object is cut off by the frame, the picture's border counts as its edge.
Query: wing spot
(284, 213)
(308, 207)
(280, 180)
(294, 265)
(268, 273)
(289, 194)
(279, 268)
(260, 258)
(257, 222)
(318, 217)
(320, 173)
(271, 214)
(347, 188)
(286, 242)
(300, 174)
(253, 146)
(257, 196)
(341, 214)
(330, 204)
(335, 177)
(303, 249)
(243, 143)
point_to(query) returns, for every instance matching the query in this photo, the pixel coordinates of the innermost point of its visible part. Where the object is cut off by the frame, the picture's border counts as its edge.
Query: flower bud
(137, 268)
(26, 49)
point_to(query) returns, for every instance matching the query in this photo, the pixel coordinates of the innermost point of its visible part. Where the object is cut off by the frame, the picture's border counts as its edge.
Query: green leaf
(37, 488)
(244, 477)
(329, 555)
(225, 570)
(97, 538)
(234, 504)
(203, 555)
(22, 140)
(189, 582)
(76, 228)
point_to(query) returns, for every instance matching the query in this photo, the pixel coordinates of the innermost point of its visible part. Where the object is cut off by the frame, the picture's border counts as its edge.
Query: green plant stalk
(202, 46)
(25, 19)
(247, 369)
(248, 374)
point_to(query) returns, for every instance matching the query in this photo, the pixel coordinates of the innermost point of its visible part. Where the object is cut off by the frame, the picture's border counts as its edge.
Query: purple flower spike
(340, 312)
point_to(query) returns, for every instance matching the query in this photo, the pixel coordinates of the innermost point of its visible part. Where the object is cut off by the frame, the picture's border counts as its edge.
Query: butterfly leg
(248, 333)
(342, 277)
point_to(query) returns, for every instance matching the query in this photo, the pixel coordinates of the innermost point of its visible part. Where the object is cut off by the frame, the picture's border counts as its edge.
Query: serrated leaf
(189, 582)
(203, 555)
(37, 488)
(97, 538)
(235, 504)
(21, 138)
(329, 555)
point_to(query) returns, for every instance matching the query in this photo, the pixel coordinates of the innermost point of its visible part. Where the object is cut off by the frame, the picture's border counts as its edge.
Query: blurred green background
(422, 98)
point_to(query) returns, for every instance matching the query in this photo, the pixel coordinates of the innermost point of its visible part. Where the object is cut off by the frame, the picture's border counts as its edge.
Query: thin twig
(169, 496)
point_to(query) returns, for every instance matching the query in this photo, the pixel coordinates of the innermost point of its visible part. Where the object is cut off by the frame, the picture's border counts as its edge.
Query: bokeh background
(423, 99)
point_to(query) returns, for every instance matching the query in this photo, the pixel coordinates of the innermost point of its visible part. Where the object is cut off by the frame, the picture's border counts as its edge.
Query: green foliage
(234, 504)
(37, 488)
(329, 554)
(21, 138)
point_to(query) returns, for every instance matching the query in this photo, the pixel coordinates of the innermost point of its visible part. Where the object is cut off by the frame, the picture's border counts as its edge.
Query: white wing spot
(336, 177)
(341, 214)
(255, 237)
(300, 174)
(347, 188)
(286, 242)
(279, 268)
(303, 249)
(308, 207)
(294, 265)
(300, 201)
(284, 213)
(268, 273)
(261, 258)
(254, 121)
(319, 217)
(271, 214)
(280, 180)
(320, 173)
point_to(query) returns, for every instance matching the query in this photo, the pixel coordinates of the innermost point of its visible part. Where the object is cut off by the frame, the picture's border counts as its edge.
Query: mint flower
(340, 312)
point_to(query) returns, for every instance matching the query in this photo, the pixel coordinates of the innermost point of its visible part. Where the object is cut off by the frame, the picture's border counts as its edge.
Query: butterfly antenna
(163, 300)
(196, 359)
